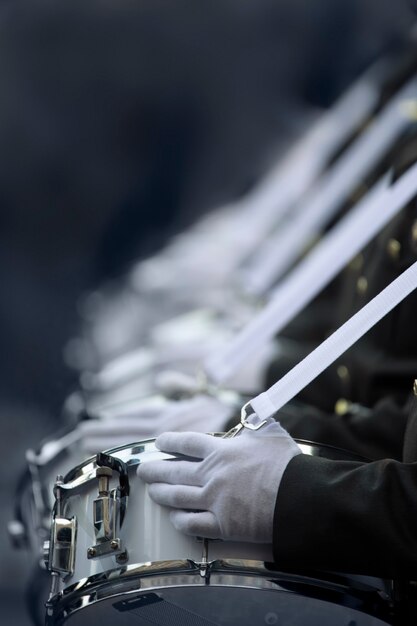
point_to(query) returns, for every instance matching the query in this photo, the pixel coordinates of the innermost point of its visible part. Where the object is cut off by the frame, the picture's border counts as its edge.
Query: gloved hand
(172, 383)
(150, 418)
(248, 379)
(229, 494)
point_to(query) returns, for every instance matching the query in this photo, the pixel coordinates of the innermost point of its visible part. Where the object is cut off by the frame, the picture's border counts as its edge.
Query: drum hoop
(80, 474)
(333, 452)
(242, 574)
(141, 574)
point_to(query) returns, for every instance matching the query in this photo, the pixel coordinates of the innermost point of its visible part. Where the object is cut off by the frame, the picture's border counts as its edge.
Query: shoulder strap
(343, 338)
(312, 274)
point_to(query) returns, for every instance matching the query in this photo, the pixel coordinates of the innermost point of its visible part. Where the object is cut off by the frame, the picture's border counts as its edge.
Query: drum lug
(108, 511)
(104, 507)
(105, 462)
(59, 553)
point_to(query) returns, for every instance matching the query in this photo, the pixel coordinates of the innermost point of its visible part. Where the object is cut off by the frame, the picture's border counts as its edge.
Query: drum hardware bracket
(204, 565)
(204, 568)
(104, 460)
(246, 412)
(107, 513)
(59, 551)
(113, 546)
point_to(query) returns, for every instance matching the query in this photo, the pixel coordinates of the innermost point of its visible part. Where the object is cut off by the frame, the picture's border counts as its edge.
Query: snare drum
(34, 494)
(116, 560)
(34, 501)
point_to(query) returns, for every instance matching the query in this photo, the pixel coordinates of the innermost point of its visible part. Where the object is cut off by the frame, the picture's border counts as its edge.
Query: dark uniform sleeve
(373, 434)
(347, 517)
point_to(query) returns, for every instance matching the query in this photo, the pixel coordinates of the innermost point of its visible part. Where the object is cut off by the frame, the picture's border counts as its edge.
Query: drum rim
(234, 573)
(110, 581)
(341, 454)
(79, 475)
(162, 568)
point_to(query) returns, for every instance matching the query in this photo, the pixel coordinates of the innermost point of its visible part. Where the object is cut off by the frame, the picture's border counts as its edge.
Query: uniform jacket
(348, 516)
(359, 516)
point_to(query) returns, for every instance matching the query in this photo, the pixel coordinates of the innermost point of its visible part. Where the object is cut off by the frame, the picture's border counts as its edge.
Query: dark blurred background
(120, 123)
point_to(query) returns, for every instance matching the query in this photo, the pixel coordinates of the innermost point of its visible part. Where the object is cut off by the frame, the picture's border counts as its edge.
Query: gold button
(394, 249)
(343, 372)
(415, 387)
(362, 285)
(342, 406)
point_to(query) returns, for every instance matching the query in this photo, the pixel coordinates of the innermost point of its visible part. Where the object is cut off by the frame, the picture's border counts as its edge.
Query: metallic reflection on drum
(116, 559)
(238, 601)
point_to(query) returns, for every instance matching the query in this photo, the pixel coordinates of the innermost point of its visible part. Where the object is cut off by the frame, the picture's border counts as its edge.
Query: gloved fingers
(176, 496)
(197, 445)
(170, 471)
(201, 524)
(172, 381)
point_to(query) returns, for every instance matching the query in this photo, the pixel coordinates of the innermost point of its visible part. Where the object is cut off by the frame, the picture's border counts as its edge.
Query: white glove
(149, 419)
(248, 379)
(172, 383)
(229, 494)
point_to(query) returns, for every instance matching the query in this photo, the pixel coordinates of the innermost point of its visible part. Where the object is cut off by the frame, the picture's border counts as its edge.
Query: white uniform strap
(317, 361)
(329, 194)
(316, 270)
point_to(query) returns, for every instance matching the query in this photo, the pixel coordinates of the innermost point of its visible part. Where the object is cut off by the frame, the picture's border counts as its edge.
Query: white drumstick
(314, 273)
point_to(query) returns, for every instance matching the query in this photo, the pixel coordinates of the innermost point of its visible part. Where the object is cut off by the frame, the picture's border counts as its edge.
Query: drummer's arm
(375, 433)
(347, 517)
